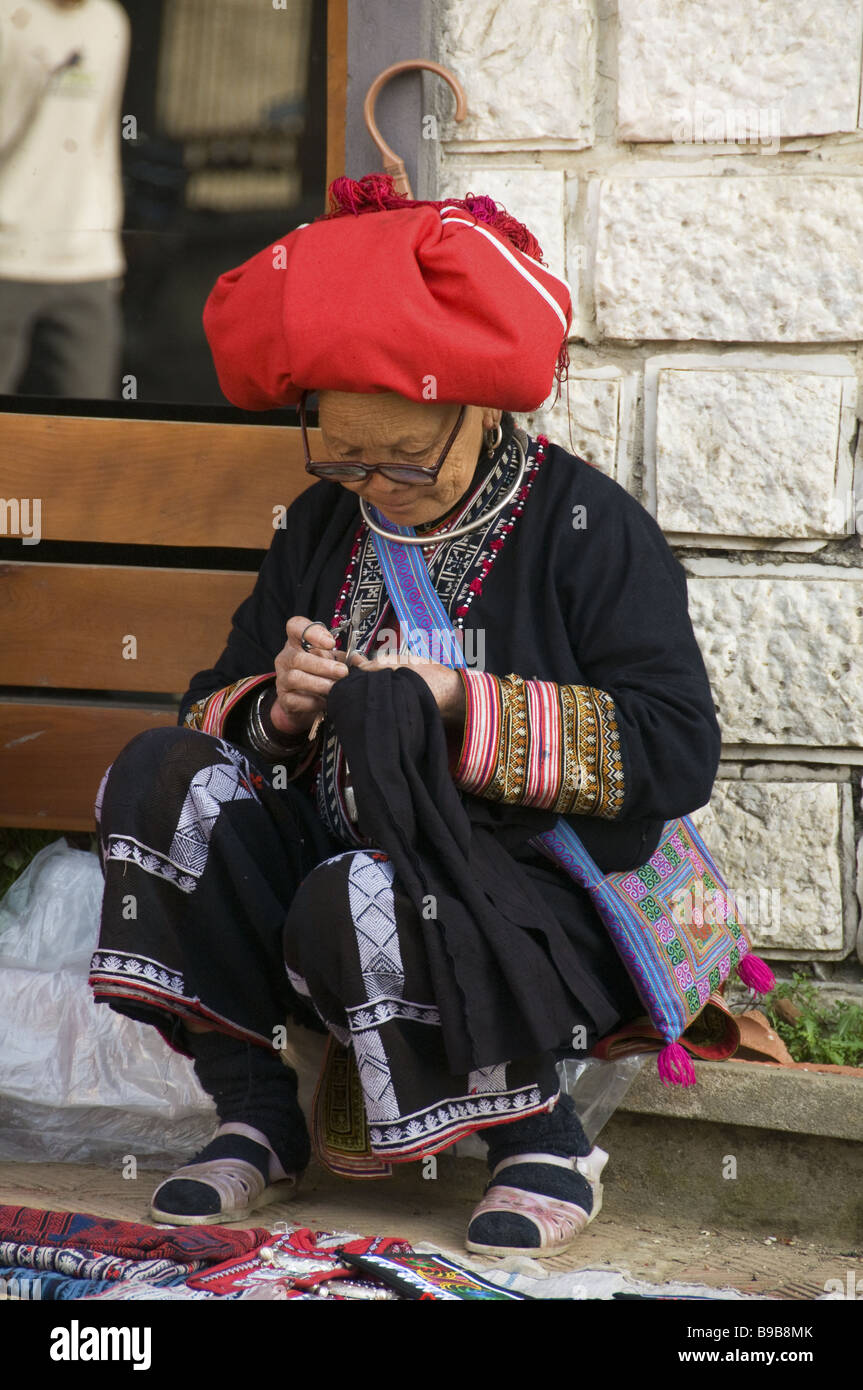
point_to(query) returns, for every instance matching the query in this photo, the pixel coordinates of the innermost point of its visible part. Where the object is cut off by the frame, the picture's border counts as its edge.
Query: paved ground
(437, 1211)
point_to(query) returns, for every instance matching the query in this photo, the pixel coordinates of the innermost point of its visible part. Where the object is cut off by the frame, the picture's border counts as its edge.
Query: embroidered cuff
(209, 714)
(536, 743)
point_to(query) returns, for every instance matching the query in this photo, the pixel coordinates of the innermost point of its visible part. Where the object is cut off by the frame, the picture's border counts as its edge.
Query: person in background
(62, 73)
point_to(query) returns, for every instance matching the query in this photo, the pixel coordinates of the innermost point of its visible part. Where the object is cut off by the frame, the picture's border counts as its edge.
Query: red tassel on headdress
(376, 193)
(373, 193)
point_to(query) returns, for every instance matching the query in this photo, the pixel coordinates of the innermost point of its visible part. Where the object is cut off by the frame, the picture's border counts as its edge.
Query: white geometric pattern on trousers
(446, 1119)
(373, 912)
(131, 851)
(487, 1079)
(379, 1011)
(370, 895)
(209, 790)
(372, 905)
(375, 1078)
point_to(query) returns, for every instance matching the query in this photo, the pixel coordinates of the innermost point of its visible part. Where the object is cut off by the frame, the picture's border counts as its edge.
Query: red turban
(424, 299)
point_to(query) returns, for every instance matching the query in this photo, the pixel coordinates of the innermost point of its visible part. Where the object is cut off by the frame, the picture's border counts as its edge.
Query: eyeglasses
(355, 472)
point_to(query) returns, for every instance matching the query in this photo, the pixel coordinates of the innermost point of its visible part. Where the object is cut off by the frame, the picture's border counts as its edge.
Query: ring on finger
(307, 646)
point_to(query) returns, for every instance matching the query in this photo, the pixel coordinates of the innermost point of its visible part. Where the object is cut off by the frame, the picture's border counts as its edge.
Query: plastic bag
(598, 1087)
(78, 1082)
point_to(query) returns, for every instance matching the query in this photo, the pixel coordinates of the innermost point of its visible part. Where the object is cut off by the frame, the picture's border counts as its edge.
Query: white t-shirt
(61, 195)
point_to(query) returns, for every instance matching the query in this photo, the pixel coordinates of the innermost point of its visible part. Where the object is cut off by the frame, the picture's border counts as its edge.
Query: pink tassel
(756, 974)
(675, 1066)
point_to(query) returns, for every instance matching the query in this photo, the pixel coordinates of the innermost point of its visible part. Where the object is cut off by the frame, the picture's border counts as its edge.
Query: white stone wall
(786, 847)
(751, 417)
(685, 60)
(512, 103)
(695, 171)
(732, 257)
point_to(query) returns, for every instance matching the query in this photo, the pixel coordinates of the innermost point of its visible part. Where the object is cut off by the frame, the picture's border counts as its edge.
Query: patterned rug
(63, 1255)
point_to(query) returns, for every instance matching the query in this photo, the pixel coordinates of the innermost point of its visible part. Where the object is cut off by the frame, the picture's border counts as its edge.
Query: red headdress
(446, 301)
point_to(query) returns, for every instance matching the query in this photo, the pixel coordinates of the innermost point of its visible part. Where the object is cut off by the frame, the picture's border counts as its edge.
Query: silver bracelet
(260, 739)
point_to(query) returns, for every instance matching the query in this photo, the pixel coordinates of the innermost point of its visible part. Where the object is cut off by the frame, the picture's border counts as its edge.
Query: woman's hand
(444, 683)
(305, 679)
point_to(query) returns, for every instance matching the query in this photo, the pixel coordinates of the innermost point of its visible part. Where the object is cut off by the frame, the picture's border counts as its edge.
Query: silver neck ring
(435, 537)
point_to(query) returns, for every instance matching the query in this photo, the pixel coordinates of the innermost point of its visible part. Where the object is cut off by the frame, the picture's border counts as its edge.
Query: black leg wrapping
(252, 1085)
(559, 1133)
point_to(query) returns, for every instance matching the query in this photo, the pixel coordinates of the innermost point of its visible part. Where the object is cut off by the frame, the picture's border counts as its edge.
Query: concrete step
(749, 1147)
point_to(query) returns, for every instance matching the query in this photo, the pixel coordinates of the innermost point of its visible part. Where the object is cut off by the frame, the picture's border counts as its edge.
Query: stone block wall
(695, 171)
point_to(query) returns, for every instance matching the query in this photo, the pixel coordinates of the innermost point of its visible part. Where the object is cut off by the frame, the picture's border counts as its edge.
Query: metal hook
(392, 164)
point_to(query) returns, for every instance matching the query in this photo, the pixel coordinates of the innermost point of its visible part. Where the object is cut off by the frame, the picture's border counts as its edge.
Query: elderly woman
(460, 635)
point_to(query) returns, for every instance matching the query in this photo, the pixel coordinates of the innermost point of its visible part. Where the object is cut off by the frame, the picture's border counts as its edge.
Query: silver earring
(493, 440)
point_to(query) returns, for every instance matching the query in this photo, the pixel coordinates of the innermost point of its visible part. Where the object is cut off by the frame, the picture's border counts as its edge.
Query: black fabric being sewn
(508, 979)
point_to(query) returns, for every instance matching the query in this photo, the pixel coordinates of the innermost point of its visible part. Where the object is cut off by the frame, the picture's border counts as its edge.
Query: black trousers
(226, 901)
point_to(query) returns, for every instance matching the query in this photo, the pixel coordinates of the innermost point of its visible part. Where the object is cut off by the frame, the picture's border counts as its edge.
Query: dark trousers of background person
(61, 338)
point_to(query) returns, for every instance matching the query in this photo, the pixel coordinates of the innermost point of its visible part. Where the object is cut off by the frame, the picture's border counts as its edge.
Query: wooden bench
(71, 691)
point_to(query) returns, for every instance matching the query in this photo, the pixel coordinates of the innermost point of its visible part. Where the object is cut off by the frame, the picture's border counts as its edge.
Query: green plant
(17, 848)
(812, 1030)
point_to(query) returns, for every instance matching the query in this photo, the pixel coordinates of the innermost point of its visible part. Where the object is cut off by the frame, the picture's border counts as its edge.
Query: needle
(352, 626)
(358, 613)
